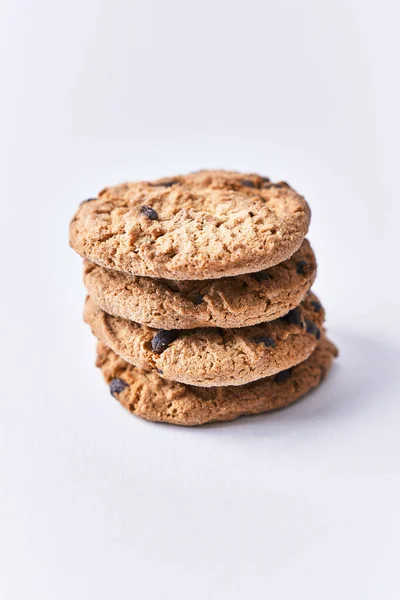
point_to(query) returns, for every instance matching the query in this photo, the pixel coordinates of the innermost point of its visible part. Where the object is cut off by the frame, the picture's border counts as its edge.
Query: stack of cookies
(199, 295)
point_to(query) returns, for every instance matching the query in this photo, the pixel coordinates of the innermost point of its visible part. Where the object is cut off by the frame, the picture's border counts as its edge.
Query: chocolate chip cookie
(228, 302)
(213, 357)
(206, 225)
(146, 395)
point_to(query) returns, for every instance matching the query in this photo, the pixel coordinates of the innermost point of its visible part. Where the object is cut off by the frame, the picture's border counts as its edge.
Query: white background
(94, 503)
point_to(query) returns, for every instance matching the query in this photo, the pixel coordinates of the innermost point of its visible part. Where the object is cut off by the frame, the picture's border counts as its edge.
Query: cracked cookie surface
(209, 357)
(206, 225)
(148, 396)
(228, 302)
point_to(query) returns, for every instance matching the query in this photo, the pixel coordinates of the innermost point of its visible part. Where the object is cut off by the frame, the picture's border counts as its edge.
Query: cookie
(213, 356)
(228, 302)
(146, 395)
(206, 225)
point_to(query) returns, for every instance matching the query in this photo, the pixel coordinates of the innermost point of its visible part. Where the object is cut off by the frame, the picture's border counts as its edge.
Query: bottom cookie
(149, 396)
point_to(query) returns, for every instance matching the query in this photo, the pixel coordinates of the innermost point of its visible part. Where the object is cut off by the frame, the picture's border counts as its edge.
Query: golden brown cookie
(213, 357)
(205, 225)
(146, 395)
(228, 302)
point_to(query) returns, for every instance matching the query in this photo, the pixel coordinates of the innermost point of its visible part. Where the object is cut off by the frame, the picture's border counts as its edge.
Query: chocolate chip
(313, 329)
(169, 183)
(283, 375)
(160, 371)
(301, 267)
(149, 212)
(88, 200)
(117, 386)
(316, 305)
(294, 317)
(163, 339)
(261, 276)
(198, 299)
(248, 183)
(267, 341)
(265, 179)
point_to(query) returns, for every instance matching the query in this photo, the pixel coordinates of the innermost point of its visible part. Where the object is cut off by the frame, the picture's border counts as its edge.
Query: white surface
(94, 503)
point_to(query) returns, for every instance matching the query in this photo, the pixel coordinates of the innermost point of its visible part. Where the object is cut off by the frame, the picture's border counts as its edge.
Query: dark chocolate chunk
(261, 276)
(301, 267)
(117, 386)
(313, 329)
(160, 371)
(267, 341)
(198, 299)
(283, 375)
(316, 305)
(163, 339)
(294, 317)
(248, 183)
(169, 183)
(88, 200)
(149, 212)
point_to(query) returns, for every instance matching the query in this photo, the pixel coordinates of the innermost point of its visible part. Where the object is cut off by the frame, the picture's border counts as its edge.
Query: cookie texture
(228, 302)
(146, 395)
(205, 225)
(213, 356)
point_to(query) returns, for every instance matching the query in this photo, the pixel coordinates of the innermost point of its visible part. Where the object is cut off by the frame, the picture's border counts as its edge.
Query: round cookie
(213, 357)
(228, 302)
(148, 396)
(206, 225)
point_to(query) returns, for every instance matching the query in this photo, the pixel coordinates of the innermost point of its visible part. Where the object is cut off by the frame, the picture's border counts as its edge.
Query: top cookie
(205, 225)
